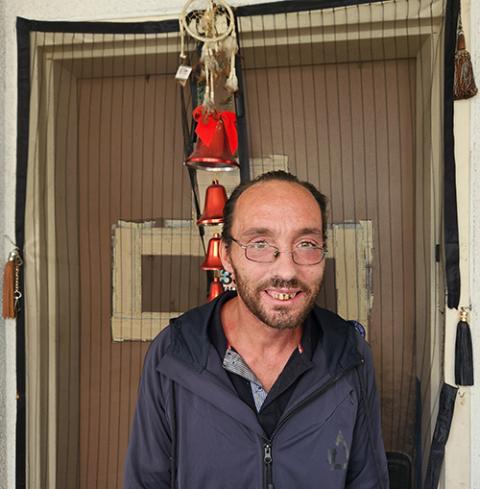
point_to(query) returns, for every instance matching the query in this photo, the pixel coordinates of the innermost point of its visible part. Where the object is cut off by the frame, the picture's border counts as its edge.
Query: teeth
(283, 296)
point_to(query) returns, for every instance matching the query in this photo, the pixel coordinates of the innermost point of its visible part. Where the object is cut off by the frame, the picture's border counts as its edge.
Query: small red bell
(215, 200)
(216, 288)
(215, 154)
(212, 260)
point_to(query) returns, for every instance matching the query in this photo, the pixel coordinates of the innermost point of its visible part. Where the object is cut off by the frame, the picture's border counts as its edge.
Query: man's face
(282, 214)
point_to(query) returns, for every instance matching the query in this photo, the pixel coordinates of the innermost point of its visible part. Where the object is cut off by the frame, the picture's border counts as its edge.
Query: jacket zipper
(267, 446)
(267, 465)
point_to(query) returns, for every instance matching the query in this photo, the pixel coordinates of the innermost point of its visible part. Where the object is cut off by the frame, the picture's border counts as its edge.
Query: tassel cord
(464, 79)
(464, 375)
(11, 285)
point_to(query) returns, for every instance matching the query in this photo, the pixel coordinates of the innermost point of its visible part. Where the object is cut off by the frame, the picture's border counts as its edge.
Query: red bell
(215, 200)
(215, 156)
(216, 288)
(212, 260)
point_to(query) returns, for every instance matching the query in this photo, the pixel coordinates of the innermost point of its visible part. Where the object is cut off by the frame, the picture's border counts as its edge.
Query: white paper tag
(183, 73)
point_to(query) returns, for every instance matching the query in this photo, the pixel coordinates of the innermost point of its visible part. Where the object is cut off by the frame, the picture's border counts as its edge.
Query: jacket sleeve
(367, 467)
(147, 463)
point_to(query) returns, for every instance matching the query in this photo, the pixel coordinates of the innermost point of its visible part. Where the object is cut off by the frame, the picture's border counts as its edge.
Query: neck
(245, 331)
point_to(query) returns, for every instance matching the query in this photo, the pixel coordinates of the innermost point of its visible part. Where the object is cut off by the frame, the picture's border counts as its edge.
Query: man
(261, 389)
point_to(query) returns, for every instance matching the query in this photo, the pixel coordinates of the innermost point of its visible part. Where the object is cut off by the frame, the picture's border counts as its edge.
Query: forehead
(277, 204)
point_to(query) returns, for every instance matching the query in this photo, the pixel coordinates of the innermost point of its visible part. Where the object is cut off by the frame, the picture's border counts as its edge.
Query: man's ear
(225, 257)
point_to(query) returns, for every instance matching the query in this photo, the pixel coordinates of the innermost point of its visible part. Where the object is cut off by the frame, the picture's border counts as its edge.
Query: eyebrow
(268, 232)
(255, 231)
(311, 231)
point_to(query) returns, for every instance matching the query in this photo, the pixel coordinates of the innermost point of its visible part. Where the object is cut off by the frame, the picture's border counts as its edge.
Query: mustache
(280, 283)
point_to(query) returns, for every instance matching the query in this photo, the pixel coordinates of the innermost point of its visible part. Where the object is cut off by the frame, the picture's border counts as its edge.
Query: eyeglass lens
(301, 256)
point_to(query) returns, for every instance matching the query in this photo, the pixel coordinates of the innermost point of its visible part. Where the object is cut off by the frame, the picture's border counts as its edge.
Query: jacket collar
(190, 342)
(336, 350)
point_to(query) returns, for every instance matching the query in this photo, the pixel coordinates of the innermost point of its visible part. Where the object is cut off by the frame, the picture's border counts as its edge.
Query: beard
(281, 317)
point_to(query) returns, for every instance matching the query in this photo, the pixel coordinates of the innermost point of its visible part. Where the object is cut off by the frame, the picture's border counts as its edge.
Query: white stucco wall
(123, 9)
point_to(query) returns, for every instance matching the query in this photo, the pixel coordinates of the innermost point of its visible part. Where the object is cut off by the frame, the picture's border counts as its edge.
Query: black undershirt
(281, 391)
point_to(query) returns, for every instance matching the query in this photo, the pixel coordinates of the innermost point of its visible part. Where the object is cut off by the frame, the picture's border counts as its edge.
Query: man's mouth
(283, 295)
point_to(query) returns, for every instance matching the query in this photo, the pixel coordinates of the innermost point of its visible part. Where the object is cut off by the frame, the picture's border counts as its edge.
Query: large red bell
(212, 259)
(216, 288)
(215, 200)
(216, 153)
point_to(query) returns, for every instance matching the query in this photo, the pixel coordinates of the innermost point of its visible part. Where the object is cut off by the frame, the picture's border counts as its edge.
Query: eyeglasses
(304, 253)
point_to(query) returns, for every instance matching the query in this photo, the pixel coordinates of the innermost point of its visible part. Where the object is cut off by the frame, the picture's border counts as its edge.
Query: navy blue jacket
(192, 431)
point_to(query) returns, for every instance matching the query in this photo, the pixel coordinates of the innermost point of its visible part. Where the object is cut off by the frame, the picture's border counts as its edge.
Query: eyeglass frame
(277, 252)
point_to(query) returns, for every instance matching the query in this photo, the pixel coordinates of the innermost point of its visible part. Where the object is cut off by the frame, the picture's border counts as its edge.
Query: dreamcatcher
(211, 23)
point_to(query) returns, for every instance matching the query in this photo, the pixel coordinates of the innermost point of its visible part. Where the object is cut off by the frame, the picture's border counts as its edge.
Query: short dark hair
(271, 176)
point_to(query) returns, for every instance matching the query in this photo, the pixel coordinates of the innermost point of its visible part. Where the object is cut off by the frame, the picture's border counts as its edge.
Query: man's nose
(284, 266)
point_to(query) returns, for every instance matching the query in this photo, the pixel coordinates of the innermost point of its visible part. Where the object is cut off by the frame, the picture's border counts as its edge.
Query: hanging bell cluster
(216, 144)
